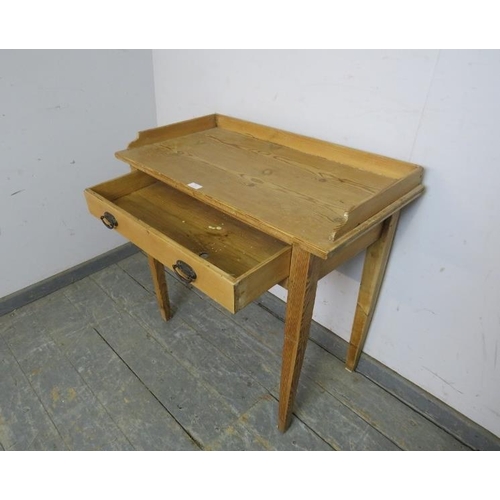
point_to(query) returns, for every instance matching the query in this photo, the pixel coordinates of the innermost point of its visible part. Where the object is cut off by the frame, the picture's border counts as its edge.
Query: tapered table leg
(302, 283)
(377, 255)
(160, 284)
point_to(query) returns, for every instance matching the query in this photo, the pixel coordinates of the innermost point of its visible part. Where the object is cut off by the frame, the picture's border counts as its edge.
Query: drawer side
(252, 285)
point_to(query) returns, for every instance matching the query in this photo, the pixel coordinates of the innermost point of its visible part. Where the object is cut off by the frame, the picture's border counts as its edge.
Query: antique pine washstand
(235, 208)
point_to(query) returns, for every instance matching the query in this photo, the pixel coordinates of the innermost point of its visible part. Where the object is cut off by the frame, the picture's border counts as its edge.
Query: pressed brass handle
(184, 271)
(109, 220)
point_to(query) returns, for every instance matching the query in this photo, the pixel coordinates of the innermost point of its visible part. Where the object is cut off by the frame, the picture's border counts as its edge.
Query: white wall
(63, 114)
(438, 318)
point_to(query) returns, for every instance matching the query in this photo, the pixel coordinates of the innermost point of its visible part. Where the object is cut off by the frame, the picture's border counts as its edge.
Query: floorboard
(94, 367)
(79, 417)
(403, 427)
(24, 422)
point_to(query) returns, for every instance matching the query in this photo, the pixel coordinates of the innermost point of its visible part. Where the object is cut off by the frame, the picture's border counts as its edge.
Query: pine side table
(234, 208)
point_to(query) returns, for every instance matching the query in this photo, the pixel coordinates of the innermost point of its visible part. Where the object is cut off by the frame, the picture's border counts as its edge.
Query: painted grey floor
(93, 367)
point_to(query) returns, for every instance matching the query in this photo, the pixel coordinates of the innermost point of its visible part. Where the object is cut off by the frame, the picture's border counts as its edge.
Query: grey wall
(437, 321)
(63, 114)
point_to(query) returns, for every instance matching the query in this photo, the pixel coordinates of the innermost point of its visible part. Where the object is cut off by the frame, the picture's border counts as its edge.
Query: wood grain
(160, 286)
(262, 277)
(376, 259)
(124, 185)
(171, 226)
(366, 226)
(294, 194)
(319, 175)
(304, 274)
(342, 154)
(174, 130)
(349, 251)
(345, 253)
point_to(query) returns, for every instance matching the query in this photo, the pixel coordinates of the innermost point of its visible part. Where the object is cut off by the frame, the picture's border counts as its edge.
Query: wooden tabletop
(299, 189)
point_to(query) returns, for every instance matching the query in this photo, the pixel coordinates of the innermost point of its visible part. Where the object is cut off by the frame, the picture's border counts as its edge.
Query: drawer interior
(221, 240)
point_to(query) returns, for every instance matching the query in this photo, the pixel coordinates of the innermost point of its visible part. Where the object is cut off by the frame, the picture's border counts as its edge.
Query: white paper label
(194, 185)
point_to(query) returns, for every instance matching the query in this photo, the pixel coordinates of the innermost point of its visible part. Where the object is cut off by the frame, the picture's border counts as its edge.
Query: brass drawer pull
(109, 220)
(184, 271)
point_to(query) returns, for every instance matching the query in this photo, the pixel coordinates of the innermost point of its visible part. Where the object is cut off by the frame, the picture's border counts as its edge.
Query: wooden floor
(93, 367)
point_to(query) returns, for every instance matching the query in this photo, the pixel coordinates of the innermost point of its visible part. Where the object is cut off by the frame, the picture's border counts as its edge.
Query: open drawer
(221, 256)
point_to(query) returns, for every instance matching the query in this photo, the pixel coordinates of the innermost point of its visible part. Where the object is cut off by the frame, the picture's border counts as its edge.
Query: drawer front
(232, 293)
